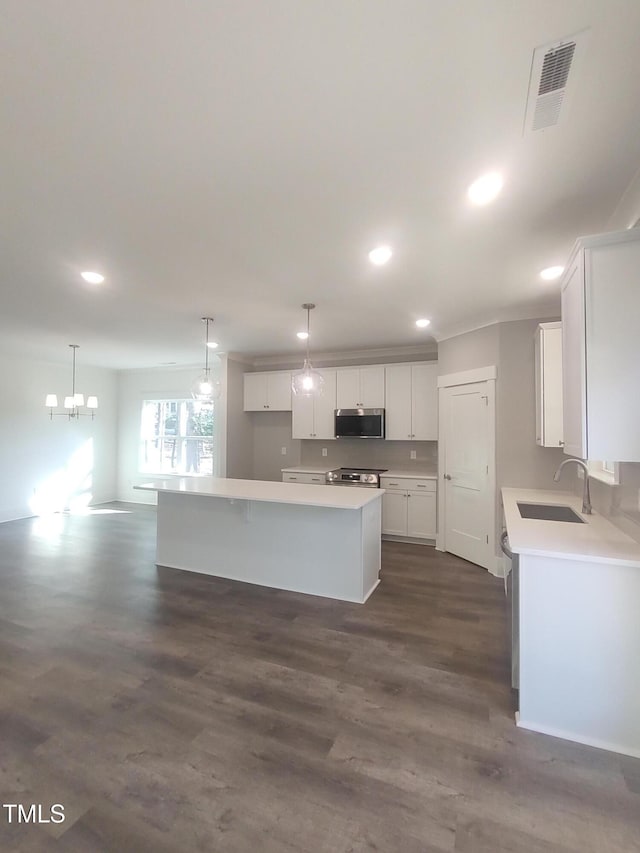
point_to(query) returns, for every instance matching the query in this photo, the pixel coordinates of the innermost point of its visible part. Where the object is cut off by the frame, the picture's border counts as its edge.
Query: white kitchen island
(320, 540)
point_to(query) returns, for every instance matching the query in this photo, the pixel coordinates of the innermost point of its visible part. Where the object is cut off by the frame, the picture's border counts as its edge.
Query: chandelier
(74, 402)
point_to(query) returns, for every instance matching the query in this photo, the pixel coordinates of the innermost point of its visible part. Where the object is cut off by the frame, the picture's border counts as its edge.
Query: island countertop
(597, 540)
(331, 497)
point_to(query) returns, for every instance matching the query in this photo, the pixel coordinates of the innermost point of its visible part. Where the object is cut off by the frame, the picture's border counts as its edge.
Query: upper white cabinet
(360, 387)
(267, 391)
(548, 372)
(411, 402)
(313, 417)
(601, 348)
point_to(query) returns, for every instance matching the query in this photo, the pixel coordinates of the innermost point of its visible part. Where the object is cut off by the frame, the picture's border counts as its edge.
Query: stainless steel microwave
(359, 423)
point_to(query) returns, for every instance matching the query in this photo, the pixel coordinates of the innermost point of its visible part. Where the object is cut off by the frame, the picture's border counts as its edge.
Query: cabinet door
(573, 360)
(398, 402)
(424, 402)
(552, 428)
(324, 408)
(421, 515)
(394, 513)
(348, 389)
(279, 392)
(372, 387)
(302, 417)
(255, 392)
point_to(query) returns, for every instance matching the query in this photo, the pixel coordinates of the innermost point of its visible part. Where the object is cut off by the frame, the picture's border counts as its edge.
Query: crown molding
(324, 359)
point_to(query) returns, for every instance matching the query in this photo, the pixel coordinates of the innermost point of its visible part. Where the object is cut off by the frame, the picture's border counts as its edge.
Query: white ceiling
(240, 157)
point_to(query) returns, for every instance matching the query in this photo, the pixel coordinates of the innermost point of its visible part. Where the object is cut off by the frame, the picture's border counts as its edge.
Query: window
(176, 437)
(606, 472)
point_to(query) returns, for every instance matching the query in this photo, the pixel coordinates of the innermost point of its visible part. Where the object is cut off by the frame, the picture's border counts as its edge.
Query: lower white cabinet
(298, 477)
(409, 507)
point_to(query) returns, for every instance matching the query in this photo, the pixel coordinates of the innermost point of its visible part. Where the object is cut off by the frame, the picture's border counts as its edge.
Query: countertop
(416, 475)
(267, 491)
(597, 540)
(306, 469)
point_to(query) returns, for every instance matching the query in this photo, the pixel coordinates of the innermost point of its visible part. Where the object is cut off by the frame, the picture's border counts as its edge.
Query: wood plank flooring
(169, 711)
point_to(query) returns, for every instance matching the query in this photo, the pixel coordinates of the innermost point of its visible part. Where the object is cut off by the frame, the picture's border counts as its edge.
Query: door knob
(447, 476)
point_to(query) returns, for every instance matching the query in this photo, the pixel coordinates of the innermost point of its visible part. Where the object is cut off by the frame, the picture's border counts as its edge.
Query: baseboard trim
(577, 737)
(411, 540)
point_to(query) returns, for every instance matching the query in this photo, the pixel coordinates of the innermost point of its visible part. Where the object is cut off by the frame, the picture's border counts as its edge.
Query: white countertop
(306, 469)
(595, 541)
(416, 475)
(332, 497)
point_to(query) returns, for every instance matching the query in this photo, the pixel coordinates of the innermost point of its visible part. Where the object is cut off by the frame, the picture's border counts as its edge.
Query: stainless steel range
(368, 478)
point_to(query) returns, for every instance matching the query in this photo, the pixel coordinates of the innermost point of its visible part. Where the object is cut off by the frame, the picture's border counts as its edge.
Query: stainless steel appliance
(359, 423)
(512, 589)
(368, 478)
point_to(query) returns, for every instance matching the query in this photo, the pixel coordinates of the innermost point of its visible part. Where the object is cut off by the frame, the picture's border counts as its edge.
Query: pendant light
(74, 402)
(206, 388)
(307, 382)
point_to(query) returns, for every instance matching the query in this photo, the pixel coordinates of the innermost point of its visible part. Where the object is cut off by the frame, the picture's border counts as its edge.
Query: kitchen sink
(549, 512)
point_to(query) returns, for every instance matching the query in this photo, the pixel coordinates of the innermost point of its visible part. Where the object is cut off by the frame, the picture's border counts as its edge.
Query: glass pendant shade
(51, 401)
(307, 382)
(205, 388)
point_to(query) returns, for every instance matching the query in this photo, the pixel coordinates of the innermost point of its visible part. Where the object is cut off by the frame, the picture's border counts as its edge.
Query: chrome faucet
(586, 494)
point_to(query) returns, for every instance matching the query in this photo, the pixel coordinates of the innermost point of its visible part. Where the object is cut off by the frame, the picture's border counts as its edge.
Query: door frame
(468, 377)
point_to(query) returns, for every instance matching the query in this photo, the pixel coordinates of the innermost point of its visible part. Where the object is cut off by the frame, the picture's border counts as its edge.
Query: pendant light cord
(206, 348)
(308, 326)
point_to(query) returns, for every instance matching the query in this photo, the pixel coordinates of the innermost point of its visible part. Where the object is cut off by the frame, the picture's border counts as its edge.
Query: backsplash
(371, 453)
(620, 503)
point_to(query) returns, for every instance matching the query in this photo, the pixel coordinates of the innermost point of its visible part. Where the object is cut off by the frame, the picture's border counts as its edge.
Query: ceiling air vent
(553, 74)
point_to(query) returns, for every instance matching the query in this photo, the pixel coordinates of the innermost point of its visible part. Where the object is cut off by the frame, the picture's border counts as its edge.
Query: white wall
(134, 386)
(239, 430)
(46, 464)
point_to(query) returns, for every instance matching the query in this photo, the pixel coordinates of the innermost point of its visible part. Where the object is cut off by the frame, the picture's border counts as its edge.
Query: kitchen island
(319, 540)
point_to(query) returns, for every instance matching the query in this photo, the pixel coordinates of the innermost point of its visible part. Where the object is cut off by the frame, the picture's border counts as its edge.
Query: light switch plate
(413, 455)
(283, 450)
(324, 451)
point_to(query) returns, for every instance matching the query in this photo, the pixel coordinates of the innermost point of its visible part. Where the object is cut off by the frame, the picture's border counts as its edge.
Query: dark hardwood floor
(169, 711)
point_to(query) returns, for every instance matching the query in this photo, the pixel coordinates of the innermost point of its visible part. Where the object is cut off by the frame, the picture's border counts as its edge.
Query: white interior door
(467, 432)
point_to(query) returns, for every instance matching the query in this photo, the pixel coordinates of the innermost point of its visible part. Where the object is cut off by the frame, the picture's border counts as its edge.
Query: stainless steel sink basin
(549, 512)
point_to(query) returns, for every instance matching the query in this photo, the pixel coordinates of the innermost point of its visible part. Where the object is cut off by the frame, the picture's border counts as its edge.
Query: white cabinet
(411, 402)
(601, 348)
(548, 373)
(360, 387)
(409, 507)
(313, 417)
(304, 477)
(267, 391)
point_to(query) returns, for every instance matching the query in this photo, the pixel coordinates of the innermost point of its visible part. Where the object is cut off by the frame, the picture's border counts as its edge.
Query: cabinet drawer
(309, 479)
(408, 484)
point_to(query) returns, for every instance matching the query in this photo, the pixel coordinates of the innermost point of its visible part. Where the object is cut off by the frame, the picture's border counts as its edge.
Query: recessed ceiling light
(302, 335)
(380, 255)
(92, 277)
(551, 273)
(485, 189)
(213, 344)
(422, 323)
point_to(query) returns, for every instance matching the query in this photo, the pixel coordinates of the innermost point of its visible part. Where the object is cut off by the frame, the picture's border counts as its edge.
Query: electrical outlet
(283, 450)
(580, 473)
(413, 455)
(324, 451)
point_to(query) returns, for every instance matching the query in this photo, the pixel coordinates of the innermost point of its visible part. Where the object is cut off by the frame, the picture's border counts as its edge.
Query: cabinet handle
(413, 435)
(561, 444)
(409, 435)
(421, 485)
(393, 484)
(447, 476)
